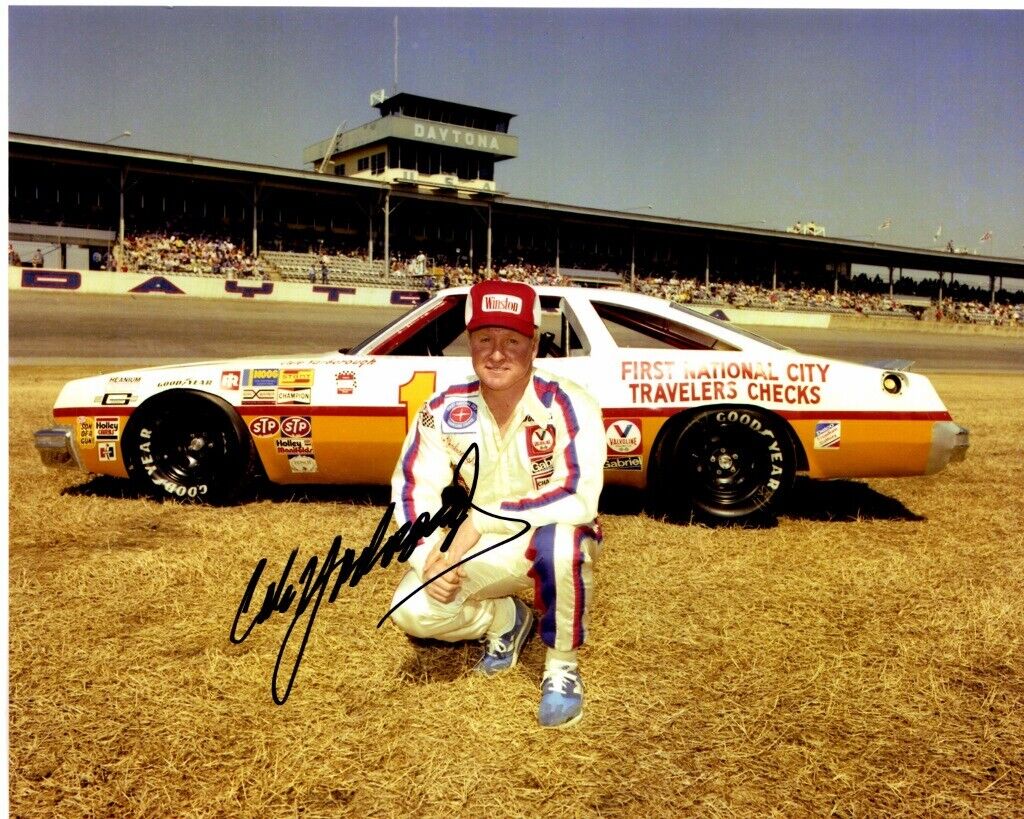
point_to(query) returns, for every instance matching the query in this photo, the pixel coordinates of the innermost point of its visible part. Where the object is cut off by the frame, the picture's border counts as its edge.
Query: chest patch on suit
(459, 416)
(539, 440)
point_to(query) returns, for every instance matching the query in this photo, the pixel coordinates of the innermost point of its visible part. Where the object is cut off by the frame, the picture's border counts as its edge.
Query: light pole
(125, 133)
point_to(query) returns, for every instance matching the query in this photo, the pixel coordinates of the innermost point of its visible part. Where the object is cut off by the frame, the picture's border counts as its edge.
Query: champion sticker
(540, 440)
(827, 435)
(459, 415)
(623, 436)
(294, 395)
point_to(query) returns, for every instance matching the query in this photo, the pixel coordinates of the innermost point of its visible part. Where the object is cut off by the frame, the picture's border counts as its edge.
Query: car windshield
(728, 325)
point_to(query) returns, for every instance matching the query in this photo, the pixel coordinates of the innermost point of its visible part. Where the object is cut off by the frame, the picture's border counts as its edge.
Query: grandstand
(293, 266)
(419, 183)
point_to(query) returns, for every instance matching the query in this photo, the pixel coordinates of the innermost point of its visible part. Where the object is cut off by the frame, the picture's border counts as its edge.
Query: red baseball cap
(498, 303)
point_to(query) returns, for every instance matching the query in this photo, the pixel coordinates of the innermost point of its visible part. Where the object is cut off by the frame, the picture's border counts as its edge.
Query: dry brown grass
(865, 665)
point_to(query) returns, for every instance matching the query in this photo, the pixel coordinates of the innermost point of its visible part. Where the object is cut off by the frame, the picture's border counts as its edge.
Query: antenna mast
(394, 88)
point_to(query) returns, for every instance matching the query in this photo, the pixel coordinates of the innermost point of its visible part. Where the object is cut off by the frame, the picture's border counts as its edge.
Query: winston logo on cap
(501, 304)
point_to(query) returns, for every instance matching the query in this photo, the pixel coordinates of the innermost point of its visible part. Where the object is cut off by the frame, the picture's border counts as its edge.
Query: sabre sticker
(827, 434)
(623, 436)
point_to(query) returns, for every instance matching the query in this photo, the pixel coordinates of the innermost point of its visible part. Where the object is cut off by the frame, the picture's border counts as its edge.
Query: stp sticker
(623, 436)
(540, 440)
(264, 426)
(827, 434)
(458, 416)
(295, 426)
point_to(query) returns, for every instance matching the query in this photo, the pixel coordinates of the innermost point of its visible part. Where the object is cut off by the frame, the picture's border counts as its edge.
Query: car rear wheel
(190, 447)
(730, 464)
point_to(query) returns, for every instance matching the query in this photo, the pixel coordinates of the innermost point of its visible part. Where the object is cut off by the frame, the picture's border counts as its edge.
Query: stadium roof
(29, 146)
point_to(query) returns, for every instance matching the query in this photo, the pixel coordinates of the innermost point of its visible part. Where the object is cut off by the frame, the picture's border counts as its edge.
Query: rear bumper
(949, 445)
(56, 447)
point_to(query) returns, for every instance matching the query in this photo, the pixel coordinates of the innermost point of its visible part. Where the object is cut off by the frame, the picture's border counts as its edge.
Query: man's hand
(445, 589)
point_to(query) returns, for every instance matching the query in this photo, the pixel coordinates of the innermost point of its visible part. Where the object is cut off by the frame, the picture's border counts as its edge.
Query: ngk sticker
(295, 426)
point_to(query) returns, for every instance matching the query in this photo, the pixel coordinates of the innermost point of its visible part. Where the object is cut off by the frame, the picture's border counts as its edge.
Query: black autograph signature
(279, 595)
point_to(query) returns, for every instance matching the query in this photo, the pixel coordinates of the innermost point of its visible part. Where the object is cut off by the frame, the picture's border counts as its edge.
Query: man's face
(502, 359)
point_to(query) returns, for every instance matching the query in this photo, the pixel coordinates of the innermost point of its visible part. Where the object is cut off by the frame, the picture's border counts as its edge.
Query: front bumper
(56, 447)
(949, 445)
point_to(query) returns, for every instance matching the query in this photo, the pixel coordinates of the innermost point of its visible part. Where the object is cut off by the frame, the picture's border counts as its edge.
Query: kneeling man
(539, 459)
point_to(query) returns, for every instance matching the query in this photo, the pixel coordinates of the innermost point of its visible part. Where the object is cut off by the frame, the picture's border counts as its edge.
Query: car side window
(637, 329)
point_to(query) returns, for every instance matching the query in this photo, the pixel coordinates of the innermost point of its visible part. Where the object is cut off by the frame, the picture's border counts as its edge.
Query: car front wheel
(189, 447)
(730, 464)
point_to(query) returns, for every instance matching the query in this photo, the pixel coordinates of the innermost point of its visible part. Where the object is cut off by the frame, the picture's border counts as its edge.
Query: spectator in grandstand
(311, 273)
(13, 258)
(323, 270)
(37, 258)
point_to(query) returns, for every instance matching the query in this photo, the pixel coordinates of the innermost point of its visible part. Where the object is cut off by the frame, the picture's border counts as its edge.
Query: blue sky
(757, 117)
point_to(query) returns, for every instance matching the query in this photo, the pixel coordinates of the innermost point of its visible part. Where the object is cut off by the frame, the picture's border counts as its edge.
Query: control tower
(421, 143)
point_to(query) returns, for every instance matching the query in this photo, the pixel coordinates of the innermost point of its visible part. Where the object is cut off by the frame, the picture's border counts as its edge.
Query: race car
(705, 416)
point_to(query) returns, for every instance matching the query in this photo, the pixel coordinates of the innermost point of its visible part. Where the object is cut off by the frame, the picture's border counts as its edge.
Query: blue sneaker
(502, 652)
(561, 698)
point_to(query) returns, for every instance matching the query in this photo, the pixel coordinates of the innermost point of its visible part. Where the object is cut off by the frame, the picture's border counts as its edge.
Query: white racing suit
(547, 472)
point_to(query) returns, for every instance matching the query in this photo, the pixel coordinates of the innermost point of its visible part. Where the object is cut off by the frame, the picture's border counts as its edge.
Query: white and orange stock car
(708, 417)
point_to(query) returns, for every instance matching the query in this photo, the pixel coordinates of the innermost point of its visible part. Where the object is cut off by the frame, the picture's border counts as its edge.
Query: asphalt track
(54, 328)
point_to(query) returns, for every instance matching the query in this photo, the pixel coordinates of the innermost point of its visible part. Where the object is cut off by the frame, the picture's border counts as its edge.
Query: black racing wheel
(730, 464)
(188, 446)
